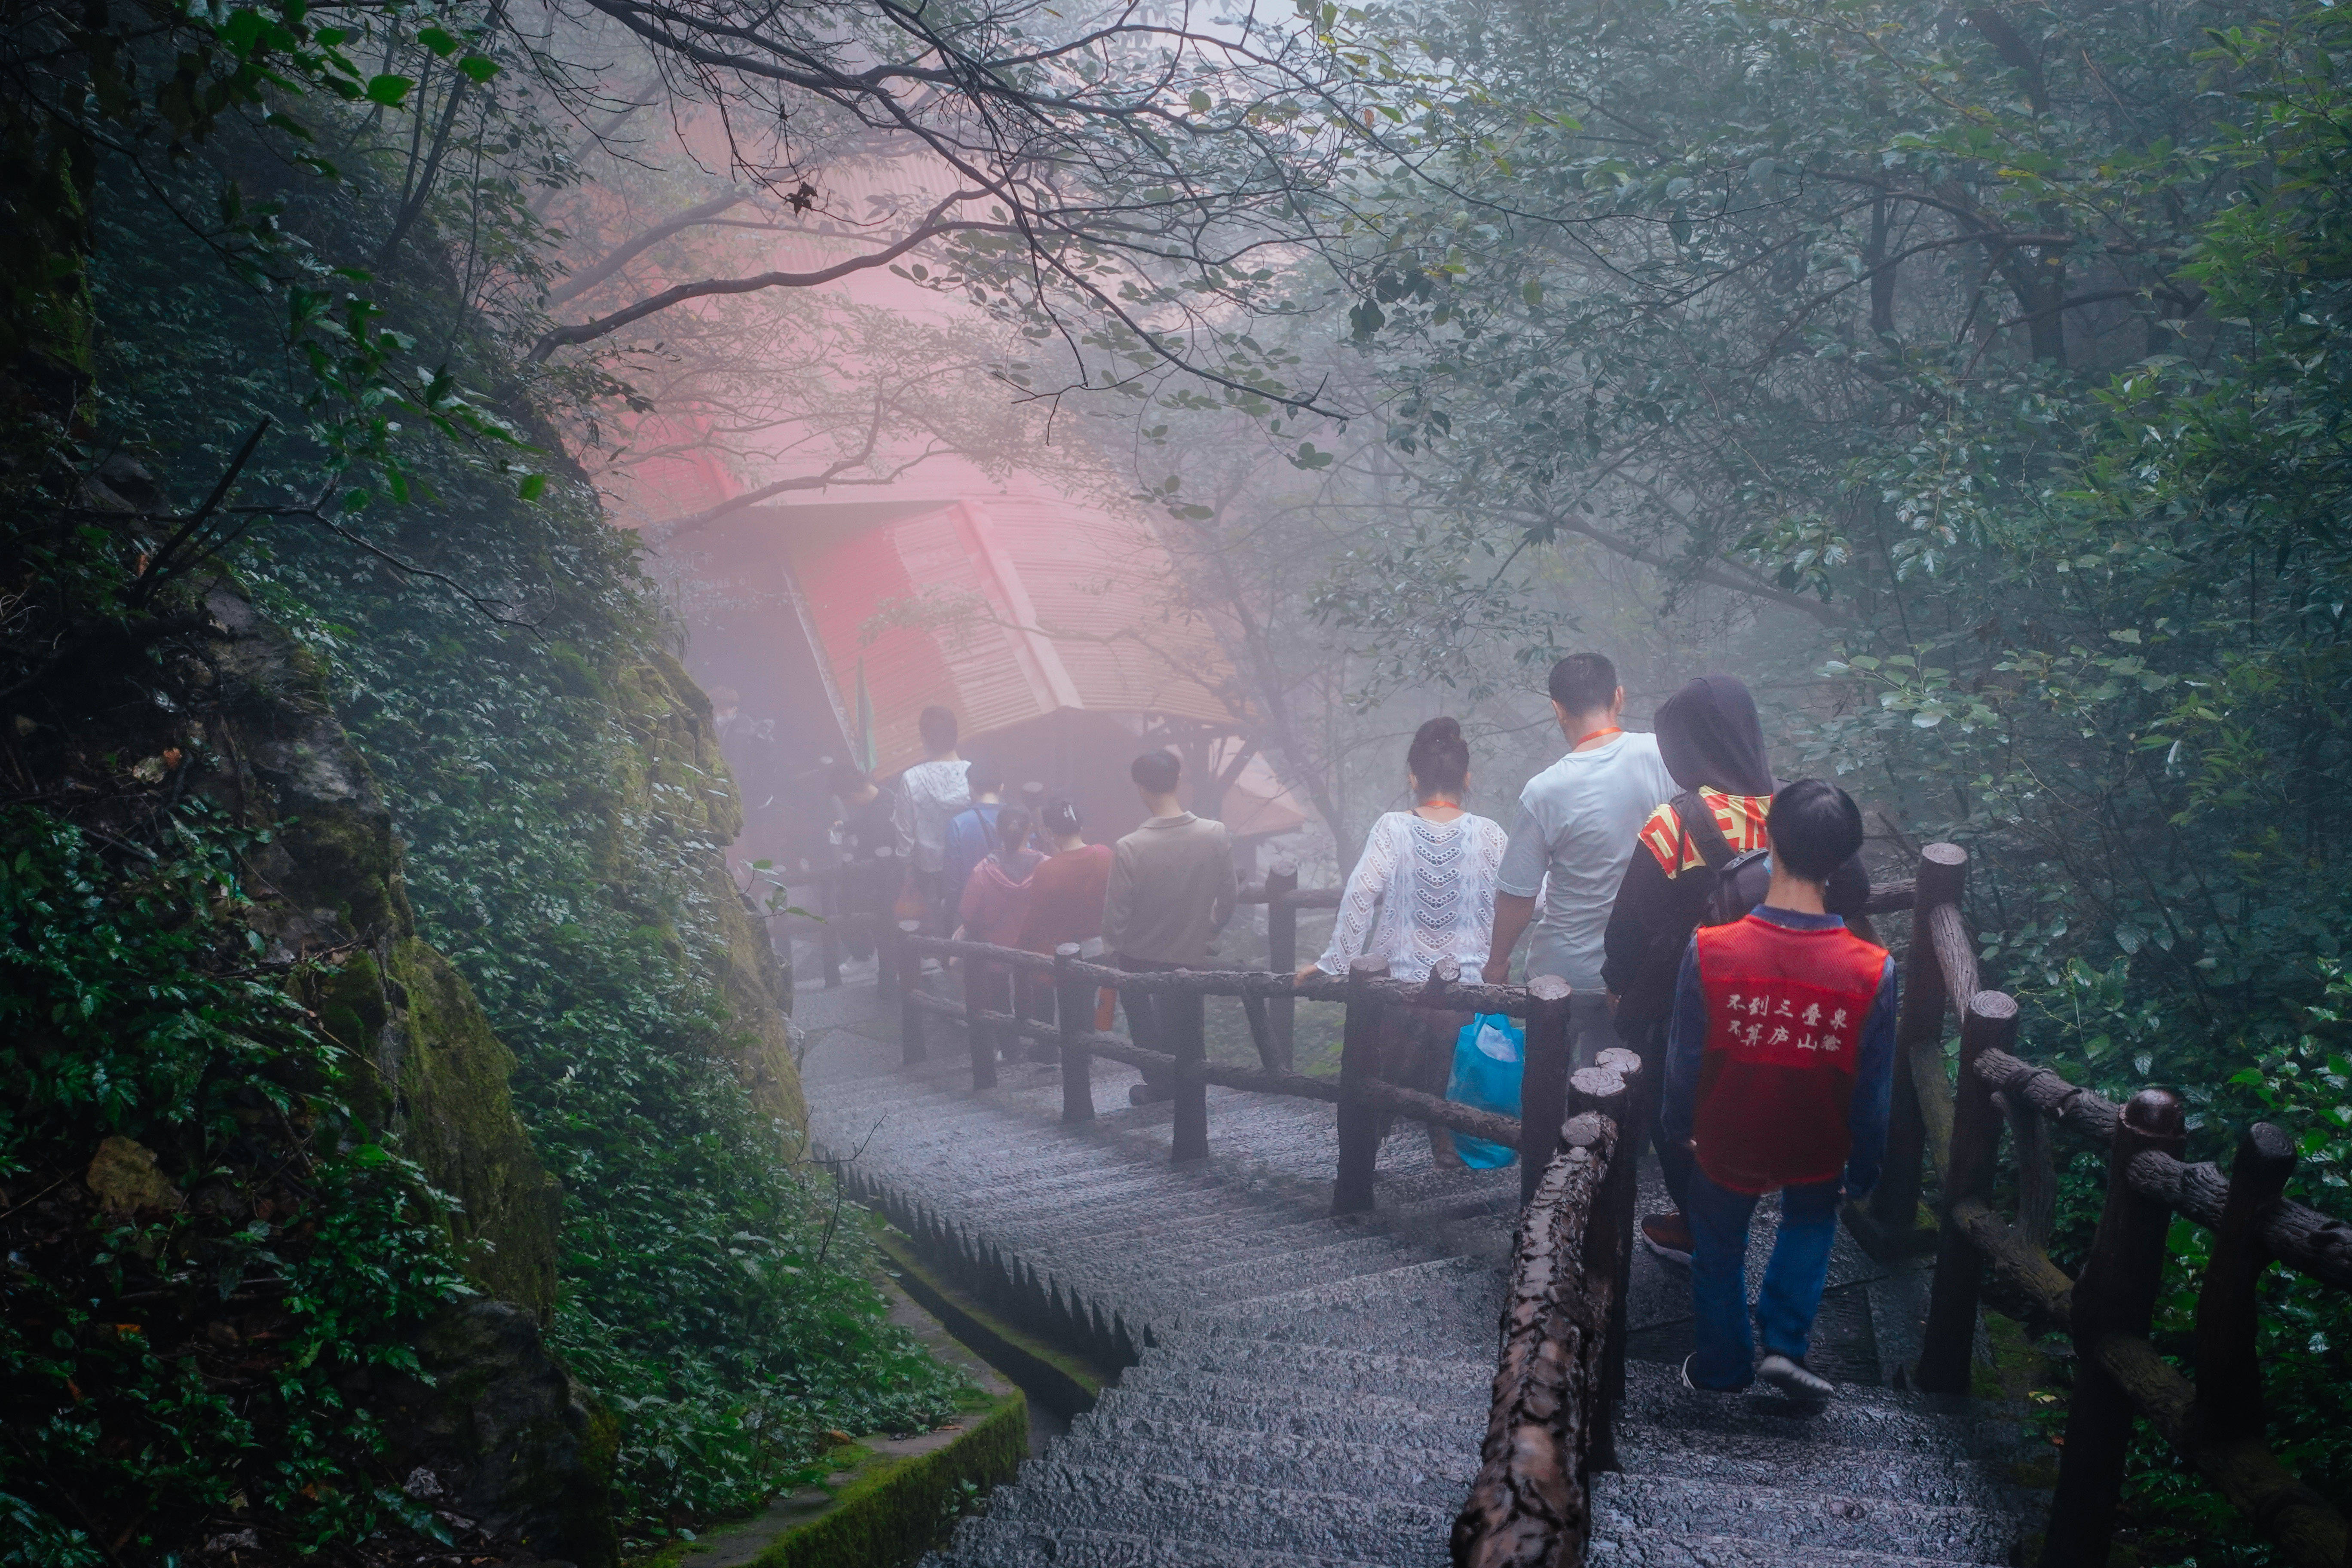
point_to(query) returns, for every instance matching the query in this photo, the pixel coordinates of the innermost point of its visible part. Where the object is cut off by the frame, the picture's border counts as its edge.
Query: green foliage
(1979, 380)
(203, 1361)
(564, 826)
(561, 817)
(564, 860)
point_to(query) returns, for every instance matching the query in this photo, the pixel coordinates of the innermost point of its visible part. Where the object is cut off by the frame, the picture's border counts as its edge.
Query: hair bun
(1439, 757)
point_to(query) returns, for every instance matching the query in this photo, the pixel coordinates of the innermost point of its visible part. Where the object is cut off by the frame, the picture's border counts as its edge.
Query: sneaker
(1793, 1378)
(1668, 1235)
(1701, 1387)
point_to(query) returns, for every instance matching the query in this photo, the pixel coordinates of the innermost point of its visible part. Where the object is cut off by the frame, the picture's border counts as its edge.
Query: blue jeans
(1792, 1280)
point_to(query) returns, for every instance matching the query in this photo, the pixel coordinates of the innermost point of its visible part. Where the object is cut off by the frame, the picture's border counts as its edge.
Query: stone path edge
(1053, 1375)
(1079, 1323)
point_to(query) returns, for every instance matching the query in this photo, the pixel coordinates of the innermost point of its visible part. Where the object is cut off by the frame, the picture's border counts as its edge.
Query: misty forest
(497, 497)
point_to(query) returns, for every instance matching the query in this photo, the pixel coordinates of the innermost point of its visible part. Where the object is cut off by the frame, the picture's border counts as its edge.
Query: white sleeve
(1358, 905)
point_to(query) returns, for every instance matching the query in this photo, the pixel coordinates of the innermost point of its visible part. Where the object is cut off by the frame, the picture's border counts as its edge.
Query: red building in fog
(1048, 625)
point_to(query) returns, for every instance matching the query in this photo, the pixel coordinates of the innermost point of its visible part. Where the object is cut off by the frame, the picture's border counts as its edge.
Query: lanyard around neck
(1596, 734)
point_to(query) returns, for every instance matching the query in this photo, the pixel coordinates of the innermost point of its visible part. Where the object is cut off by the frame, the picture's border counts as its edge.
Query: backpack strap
(1699, 827)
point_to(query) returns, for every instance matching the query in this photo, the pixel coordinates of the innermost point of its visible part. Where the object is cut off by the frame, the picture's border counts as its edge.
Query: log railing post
(1185, 1014)
(1028, 989)
(976, 1030)
(886, 952)
(2228, 1375)
(1948, 1347)
(828, 930)
(911, 1047)
(1543, 1080)
(1895, 1207)
(2116, 1294)
(1282, 957)
(1360, 1058)
(1074, 1008)
(1607, 1088)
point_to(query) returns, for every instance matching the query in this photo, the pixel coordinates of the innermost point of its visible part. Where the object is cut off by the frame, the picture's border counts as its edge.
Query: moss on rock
(456, 1118)
(679, 773)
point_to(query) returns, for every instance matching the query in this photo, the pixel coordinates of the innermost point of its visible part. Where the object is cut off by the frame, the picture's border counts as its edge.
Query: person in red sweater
(1065, 893)
(995, 903)
(1779, 1065)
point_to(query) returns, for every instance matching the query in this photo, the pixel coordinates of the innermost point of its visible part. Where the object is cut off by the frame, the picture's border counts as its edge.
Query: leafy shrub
(199, 1362)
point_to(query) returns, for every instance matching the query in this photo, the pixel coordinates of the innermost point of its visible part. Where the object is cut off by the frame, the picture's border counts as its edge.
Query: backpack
(1741, 879)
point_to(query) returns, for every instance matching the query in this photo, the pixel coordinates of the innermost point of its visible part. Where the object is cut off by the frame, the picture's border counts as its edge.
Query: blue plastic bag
(1489, 1056)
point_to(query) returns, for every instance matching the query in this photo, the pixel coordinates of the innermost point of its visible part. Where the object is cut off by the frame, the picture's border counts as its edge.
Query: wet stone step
(1864, 1418)
(1254, 1518)
(1008, 1543)
(1337, 1370)
(1299, 1267)
(1167, 1236)
(1432, 1477)
(1630, 1506)
(1652, 1551)
(1453, 1302)
(1746, 1459)
(1262, 1378)
(1286, 1413)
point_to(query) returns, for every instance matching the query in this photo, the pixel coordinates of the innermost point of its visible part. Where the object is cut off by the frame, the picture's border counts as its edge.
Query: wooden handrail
(1563, 1358)
(1361, 1095)
(1440, 991)
(2214, 1422)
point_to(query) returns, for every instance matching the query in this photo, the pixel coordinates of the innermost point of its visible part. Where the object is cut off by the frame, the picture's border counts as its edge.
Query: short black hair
(1816, 829)
(1157, 772)
(1060, 818)
(938, 727)
(1582, 682)
(980, 775)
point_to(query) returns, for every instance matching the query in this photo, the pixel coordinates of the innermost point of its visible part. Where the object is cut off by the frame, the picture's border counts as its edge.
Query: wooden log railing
(1363, 1097)
(1956, 1121)
(1561, 1369)
(831, 919)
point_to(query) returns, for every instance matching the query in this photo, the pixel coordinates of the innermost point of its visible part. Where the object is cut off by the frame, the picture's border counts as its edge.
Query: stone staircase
(1310, 1389)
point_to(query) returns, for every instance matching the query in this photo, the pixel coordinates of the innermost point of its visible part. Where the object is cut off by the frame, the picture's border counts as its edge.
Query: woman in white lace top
(1422, 890)
(1424, 887)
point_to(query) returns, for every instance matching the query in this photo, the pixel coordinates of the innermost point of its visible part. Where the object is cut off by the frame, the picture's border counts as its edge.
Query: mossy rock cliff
(439, 1090)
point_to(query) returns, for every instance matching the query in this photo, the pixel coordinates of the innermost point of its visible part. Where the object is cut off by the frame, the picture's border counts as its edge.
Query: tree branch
(621, 255)
(602, 326)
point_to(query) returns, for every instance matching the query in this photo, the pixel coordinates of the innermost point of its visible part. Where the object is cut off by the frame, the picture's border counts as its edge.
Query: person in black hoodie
(1713, 744)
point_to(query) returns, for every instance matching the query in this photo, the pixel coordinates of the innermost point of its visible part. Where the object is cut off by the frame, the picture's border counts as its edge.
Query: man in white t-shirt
(930, 795)
(1574, 836)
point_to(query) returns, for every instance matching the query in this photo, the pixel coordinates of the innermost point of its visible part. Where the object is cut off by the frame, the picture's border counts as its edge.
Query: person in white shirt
(1423, 890)
(931, 794)
(1576, 830)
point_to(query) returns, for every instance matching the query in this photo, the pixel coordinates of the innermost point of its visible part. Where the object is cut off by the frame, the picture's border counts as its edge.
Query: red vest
(1785, 1011)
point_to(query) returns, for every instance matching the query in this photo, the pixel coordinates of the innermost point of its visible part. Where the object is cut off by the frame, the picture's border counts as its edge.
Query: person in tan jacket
(1172, 889)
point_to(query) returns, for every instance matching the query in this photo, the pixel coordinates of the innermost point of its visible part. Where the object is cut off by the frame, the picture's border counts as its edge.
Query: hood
(1708, 734)
(1015, 875)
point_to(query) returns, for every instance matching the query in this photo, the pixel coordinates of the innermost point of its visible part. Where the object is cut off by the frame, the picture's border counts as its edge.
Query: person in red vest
(1779, 1063)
